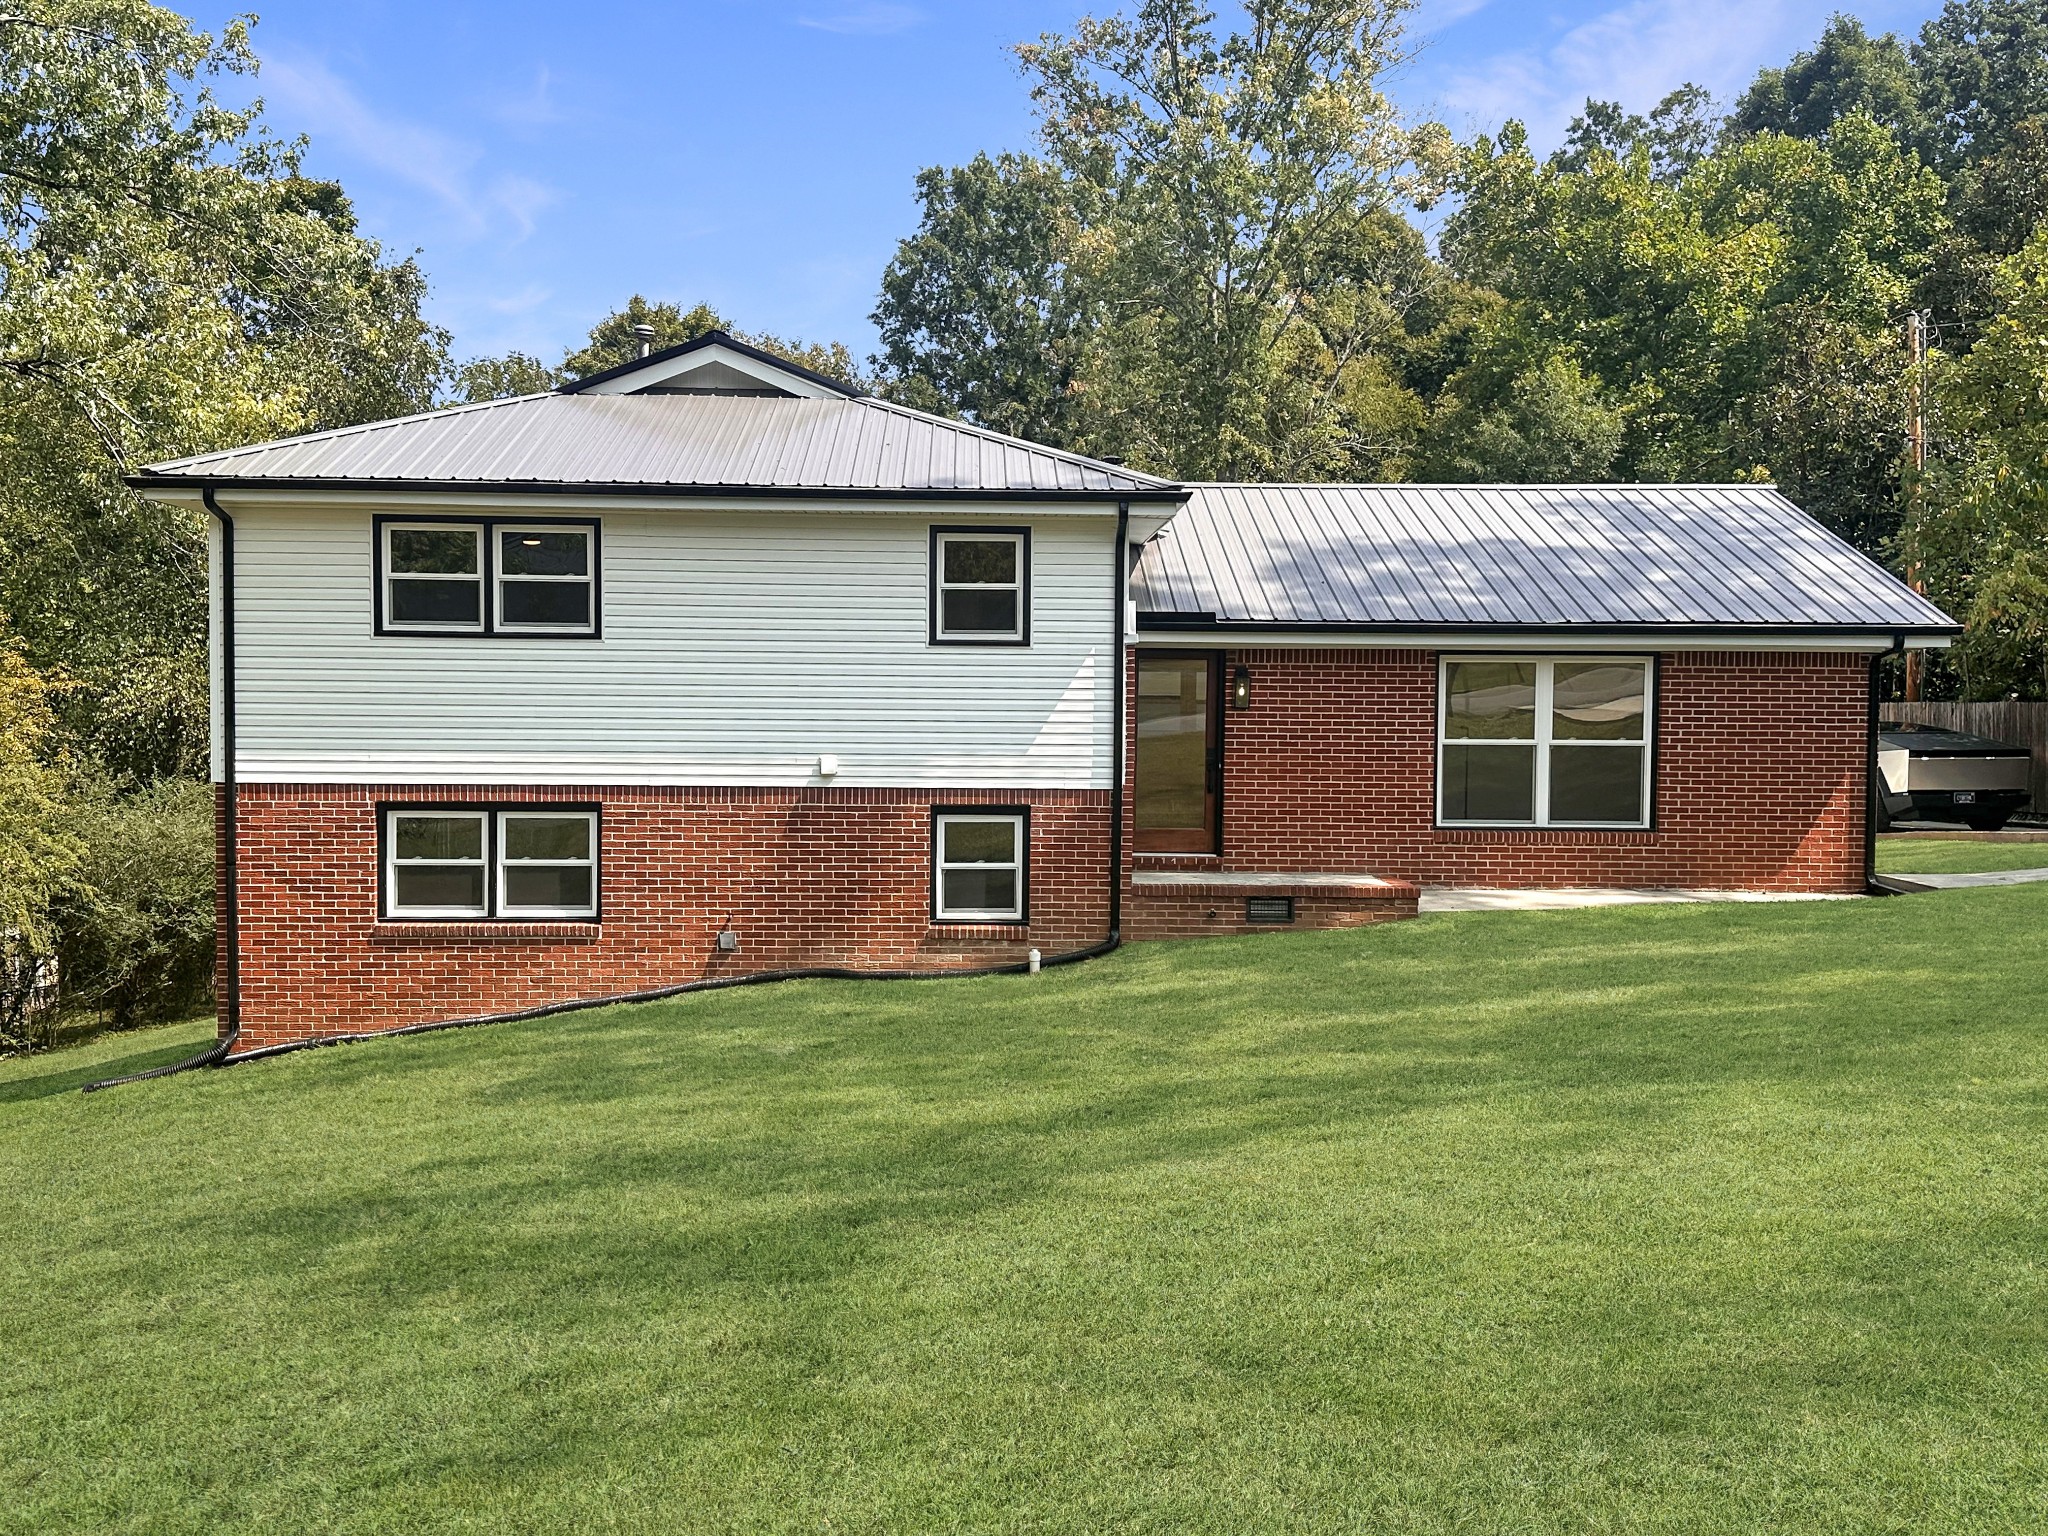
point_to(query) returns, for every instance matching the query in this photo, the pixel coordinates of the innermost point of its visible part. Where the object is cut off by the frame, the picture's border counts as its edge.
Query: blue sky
(548, 159)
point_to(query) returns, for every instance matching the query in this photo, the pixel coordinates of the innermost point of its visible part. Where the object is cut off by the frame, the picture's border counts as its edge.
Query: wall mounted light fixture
(1241, 688)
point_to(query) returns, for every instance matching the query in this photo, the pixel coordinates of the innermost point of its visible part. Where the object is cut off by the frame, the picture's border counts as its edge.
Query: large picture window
(1531, 742)
(443, 576)
(981, 586)
(978, 863)
(459, 862)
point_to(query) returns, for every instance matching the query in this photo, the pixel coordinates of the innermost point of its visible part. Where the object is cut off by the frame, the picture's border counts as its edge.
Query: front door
(1180, 759)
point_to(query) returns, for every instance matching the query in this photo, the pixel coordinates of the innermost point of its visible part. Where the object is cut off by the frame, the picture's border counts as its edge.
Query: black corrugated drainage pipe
(228, 972)
(1875, 793)
(221, 1053)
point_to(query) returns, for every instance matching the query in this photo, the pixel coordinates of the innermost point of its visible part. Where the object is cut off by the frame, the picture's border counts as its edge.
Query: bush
(135, 937)
(39, 854)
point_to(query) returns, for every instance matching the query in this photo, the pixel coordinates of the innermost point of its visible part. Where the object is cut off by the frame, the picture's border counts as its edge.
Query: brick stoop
(1172, 903)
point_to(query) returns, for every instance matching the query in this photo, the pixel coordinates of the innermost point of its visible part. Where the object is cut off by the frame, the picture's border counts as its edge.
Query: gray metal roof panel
(846, 444)
(1536, 556)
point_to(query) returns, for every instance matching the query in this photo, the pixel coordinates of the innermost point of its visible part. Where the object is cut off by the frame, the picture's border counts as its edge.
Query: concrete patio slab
(1907, 884)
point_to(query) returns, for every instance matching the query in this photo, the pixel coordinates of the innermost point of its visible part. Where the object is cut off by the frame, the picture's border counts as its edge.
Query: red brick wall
(808, 877)
(1759, 779)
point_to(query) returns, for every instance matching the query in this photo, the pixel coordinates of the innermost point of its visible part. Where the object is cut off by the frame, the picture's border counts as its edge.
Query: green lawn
(1652, 1219)
(1961, 857)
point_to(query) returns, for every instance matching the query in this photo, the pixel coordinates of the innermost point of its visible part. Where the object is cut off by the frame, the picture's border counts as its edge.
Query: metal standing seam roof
(1512, 557)
(686, 441)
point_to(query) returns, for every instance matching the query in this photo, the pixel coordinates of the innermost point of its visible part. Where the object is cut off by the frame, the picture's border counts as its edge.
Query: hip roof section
(1511, 557)
(684, 442)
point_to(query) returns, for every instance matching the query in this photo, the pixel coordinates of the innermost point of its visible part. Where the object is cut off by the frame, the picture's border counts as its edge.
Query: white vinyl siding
(738, 647)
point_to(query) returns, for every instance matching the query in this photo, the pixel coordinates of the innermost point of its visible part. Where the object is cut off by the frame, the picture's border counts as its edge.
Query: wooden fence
(2024, 723)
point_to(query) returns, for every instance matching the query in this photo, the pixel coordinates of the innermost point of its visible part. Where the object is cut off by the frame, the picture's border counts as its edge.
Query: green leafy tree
(614, 341)
(1183, 278)
(169, 282)
(1983, 70)
(984, 313)
(1846, 73)
(1678, 134)
(39, 854)
(1984, 530)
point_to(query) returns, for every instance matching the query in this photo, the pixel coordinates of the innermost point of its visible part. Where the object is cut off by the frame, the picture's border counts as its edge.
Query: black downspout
(1119, 669)
(228, 972)
(1875, 792)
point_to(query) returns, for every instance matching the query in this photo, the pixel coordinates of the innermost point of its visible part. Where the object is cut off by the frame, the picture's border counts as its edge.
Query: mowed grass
(1960, 857)
(1654, 1219)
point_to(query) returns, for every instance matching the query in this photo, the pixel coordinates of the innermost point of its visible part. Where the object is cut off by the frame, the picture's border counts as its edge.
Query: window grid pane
(980, 582)
(537, 864)
(980, 868)
(1524, 742)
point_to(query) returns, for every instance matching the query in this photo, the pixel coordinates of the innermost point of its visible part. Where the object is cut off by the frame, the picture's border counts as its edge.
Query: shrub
(135, 937)
(39, 853)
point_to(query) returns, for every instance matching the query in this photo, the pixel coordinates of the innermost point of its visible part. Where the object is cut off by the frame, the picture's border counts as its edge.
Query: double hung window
(978, 860)
(492, 577)
(453, 862)
(981, 586)
(1533, 742)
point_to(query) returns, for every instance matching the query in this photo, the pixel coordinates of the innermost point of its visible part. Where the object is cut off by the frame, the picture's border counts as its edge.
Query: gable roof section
(1513, 558)
(825, 445)
(717, 352)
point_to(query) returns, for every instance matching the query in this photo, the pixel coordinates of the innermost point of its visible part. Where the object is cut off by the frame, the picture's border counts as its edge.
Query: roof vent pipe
(646, 334)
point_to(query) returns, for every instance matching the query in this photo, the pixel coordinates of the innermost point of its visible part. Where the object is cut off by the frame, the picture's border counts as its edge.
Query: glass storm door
(1180, 761)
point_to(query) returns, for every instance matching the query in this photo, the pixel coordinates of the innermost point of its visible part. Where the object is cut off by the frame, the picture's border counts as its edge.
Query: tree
(614, 341)
(1741, 319)
(1983, 70)
(1177, 279)
(39, 855)
(1984, 535)
(1846, 72)
(1678, 134)
(169, 282)
(984, 311)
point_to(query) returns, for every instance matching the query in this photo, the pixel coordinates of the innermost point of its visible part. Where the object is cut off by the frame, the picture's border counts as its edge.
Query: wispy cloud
(533, 107)
(873, 19)
(528, 299)
(304, 94)
(1633, 54)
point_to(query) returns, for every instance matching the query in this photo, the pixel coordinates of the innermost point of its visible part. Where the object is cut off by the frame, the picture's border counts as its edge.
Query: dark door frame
(1208, 838)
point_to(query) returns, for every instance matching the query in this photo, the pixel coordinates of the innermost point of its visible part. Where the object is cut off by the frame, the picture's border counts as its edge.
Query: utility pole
(1916, 456)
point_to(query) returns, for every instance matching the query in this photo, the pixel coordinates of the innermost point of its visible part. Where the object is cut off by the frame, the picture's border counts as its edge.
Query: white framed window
(433, 576)
(981, 586)
(1530, 741)
(547, 863)
(486, 863)
(436, 863)
(492, 576)
(545, 580)
(978, 865)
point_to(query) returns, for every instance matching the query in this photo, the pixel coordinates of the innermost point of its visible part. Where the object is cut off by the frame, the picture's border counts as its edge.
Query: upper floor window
(488, 577)
(1545, 743)
(981, 586)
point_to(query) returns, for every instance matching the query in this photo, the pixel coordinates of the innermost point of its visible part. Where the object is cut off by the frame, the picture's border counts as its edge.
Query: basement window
(455, 862)
(981, 586)
(501, 576)
(978, 865)
(1544, 742)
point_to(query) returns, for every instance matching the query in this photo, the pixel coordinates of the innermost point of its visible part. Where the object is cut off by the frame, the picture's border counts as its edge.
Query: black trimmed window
(1527, 741)
(486, 863)
(488, 576)
(979, 864)
(981, 586)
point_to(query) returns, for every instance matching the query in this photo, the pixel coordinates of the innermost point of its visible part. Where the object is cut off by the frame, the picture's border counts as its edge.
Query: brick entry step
(1186, 903)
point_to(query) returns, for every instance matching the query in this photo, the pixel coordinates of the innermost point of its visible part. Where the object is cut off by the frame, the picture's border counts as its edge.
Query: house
(707, 667)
